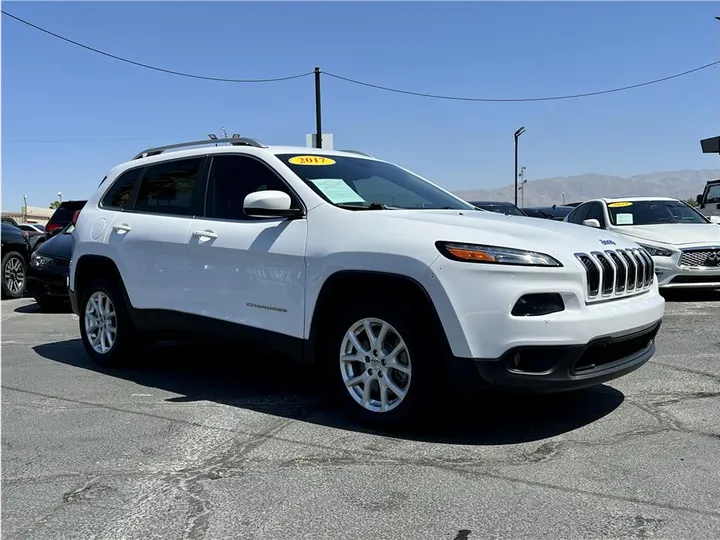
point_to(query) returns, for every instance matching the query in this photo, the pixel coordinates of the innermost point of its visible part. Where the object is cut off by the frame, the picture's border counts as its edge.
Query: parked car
(10, 221)
(35, 235)
(506, 208)
(684, 244)
(709, 200)
(62, 216)
(15, 253)
(555, 211)
(48, 270)
(396, 289)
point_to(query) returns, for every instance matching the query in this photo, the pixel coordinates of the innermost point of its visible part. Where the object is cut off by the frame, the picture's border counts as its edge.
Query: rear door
(148, 234)
(247, 270)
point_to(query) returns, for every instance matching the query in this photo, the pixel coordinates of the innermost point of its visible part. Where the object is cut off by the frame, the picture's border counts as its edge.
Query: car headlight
(494, 255)
(39, 260)
(656, 251)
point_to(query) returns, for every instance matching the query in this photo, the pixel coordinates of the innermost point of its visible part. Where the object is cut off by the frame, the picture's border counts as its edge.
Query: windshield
(360, 182)
(504, 209)
(653, 213)
(713, 194)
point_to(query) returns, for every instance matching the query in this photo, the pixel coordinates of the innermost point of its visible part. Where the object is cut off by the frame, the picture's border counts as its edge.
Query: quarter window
(118, 196)
(167, 188)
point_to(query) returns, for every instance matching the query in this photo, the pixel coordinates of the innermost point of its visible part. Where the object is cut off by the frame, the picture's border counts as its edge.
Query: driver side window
(232, 178)
(596, 212)
(579, 214)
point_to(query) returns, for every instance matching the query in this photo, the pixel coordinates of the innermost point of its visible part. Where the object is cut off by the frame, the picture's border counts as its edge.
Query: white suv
(396, 288)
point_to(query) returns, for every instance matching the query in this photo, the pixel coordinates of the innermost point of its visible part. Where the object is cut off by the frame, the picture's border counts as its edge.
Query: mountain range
(548, 191)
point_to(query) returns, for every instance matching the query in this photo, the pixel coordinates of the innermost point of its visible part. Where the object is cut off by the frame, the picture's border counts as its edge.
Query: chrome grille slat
(616, 273)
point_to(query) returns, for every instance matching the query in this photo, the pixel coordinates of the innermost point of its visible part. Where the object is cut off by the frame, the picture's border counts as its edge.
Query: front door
(245, 270)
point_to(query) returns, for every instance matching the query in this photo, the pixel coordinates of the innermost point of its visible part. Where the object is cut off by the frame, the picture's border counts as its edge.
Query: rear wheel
(381, 364)
(105, 326)
(13, 275)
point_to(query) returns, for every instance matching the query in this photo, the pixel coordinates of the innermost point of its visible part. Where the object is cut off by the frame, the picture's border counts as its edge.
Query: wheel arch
(360, 281)
(91, 266)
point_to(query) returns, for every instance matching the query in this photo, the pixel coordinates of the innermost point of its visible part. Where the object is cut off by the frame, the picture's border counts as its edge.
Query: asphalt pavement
(224, 444)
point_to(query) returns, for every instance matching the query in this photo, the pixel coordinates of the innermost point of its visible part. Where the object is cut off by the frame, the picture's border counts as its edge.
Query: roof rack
(235, 141)
(358, 152)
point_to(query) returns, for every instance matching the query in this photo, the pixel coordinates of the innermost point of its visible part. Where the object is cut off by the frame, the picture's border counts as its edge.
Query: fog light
(533, 305)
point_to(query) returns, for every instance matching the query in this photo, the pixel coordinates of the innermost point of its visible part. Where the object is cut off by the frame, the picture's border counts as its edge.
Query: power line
(96, 139)
(497, 100)
(367, 84)
(147, 66)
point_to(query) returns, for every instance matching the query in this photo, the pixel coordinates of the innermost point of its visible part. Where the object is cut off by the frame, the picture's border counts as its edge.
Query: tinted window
(653, 213)
(579, 214)
(65, 211)
(596, 212)
(232, 178)
(360, 182)
(167, 188)
(118, 196)
(713, 194)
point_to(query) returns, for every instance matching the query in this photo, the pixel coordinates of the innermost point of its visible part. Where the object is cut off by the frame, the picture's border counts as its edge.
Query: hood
(57, 247)
(678, 234)
(520, 232)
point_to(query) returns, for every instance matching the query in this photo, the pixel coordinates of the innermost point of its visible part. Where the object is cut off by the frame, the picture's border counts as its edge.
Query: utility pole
(517, 136)
(25, 211)
(224, 133)
(318, 113)
(522, 187)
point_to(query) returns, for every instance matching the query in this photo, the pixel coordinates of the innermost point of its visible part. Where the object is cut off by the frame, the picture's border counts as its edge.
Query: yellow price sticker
(619, 204)
(311, 160)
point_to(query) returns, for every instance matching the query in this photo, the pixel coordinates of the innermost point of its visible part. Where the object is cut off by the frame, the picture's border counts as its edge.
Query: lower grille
(617, 272)
(705, 257)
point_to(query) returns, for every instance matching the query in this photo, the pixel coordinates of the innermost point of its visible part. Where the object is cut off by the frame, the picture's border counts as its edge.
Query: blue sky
(54, 91)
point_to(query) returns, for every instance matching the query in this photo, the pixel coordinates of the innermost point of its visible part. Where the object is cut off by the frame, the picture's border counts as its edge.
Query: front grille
(618, 272)
(704, 257)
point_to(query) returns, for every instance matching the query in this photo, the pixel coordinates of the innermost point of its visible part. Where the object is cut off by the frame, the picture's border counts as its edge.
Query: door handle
(206, 234)
(122, 228)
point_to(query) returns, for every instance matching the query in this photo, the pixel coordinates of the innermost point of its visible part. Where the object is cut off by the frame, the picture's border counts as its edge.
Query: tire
(14, 275)
(120, 350)
(420, 387)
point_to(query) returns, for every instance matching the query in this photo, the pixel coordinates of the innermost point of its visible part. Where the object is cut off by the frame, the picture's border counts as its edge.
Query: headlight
(656, 251)
(39, 260)
(494, 255)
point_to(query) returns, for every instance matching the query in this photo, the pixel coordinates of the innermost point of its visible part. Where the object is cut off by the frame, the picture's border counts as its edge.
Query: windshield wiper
(358, 206)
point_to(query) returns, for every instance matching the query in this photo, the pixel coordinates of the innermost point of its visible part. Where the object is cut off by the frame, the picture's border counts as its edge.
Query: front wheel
(105, 326)
(382, 364)
(13, 275)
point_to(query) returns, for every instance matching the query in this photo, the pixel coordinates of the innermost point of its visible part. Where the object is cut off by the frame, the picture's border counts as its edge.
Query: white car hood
(544, 235)
(677, 234)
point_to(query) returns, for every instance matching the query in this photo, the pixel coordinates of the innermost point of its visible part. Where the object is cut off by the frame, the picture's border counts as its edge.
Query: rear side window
(167, 188)
(118, 196)
(65, 211)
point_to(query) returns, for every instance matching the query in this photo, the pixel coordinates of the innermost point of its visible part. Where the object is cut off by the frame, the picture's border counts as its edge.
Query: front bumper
(546, 369)
(672, 276)
(47, 281)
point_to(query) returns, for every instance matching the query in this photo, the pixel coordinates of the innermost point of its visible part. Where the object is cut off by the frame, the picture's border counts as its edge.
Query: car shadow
(276, 386)
(691, 295)
(63, 307)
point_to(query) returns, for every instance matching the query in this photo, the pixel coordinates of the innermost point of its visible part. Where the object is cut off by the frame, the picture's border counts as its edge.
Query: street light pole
(25, 211)
(60, 197)
(318, 113)
(517, 136)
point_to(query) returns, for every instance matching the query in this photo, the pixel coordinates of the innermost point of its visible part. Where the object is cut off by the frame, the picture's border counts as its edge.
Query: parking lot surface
(200, 443)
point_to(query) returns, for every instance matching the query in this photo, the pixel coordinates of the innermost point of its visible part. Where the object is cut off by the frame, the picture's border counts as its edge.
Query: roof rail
(358, 152)
(235, 141)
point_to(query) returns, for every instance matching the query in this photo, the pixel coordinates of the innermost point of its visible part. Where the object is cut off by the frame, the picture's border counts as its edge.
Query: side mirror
(699, 199)
(591, 223)
(269, 203)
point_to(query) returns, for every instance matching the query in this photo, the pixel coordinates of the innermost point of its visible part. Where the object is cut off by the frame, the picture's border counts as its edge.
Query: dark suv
(62, 216)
